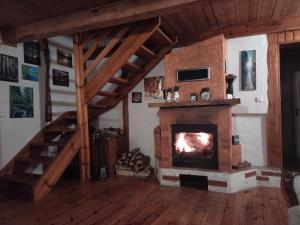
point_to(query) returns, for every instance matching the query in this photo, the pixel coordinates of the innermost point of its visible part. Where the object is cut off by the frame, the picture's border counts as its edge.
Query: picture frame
(21, 102)
(9, 68)
(64, 58)
(248, 70)
(30, 72)
(60, 78)
(153, 87)
(136, 97)
(32, 53)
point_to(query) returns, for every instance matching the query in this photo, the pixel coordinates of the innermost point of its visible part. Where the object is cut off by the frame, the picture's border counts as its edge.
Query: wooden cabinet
(105, 153)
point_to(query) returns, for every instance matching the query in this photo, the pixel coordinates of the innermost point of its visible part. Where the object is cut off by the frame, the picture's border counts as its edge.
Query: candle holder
(229, 90)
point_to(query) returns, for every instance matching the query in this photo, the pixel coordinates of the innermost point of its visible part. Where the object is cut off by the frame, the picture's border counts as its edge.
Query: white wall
(143, 120)
(249, 120)
(16, 132)
(249, 104)
(63, 98)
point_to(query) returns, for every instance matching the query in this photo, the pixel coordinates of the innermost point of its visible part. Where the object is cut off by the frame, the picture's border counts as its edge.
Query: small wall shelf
(214, 102)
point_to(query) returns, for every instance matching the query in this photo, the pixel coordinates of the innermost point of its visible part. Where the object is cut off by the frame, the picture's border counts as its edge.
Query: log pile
(134, 163)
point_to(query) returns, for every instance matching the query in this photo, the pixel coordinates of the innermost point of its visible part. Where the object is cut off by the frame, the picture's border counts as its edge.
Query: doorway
(290, 105)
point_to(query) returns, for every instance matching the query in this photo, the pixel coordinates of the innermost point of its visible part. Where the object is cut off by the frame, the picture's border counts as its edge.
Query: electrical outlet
(259, 99)
(2, 114)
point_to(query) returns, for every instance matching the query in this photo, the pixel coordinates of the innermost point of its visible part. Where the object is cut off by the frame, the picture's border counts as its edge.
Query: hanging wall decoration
(136, 97)
(21, 102)
(8, 68)
(154, 87)
(64, 58)
(60, 78)
(248, 70)
(30, 72)
(32, 53)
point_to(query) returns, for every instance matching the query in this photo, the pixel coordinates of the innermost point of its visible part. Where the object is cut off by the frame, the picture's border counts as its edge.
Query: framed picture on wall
(154, 87)
(248, 70)
(30, 72)
(64, 58)
(60, 78)
(8, 68)
(136, 97)
(21, 102)
(32, 53)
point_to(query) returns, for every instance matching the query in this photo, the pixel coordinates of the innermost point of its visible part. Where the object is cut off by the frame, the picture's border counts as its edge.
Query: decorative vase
(229, 79)
(169, 95)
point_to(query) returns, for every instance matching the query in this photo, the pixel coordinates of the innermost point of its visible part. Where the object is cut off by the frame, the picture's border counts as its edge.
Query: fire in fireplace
(195, 146)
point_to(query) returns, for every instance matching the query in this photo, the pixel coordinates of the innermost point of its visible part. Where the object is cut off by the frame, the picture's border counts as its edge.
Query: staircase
(59, 138)
(114, 61)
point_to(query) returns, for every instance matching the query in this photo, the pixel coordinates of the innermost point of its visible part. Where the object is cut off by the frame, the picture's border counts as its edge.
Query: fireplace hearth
(195, 146)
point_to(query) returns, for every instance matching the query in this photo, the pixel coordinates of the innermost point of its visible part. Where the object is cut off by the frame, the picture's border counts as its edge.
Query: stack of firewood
(134, 163)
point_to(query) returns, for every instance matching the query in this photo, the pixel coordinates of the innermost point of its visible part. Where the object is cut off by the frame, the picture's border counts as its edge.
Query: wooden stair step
(99, 106)
(108, 94)
(59, 130)
(130, 67)
(145, 53)
(43, 144)
(36, 159)
(70, 117)
(119, 80)
(159, 38)
(22, 178)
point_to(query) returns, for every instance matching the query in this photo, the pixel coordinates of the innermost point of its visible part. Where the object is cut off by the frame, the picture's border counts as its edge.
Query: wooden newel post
(82, 109)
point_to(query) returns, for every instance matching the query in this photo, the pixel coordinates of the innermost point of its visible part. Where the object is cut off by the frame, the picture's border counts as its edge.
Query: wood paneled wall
(274, 129)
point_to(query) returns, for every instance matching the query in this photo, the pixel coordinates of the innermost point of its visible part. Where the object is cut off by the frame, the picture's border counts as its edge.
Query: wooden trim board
(274, 129)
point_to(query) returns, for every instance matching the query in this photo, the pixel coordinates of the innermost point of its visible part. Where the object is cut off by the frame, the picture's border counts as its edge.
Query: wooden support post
(48, 106)
(126, 122)
(82, 109)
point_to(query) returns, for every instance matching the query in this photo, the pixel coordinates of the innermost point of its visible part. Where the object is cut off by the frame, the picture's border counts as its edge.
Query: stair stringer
(57, 167)
(94, 113)
(25, 151)
(119, 58)
(49, 178)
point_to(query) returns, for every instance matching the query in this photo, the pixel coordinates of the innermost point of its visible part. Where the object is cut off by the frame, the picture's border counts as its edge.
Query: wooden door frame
(274, 129)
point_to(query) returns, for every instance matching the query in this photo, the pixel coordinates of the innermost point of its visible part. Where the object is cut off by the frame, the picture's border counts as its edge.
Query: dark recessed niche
(193, 181)
(186, 75)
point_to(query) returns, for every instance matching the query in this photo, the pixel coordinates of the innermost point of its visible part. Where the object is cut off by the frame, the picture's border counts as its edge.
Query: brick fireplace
(193, 142)
(196, 119)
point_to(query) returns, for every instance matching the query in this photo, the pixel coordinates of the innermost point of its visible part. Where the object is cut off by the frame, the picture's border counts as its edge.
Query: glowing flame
(183, 143)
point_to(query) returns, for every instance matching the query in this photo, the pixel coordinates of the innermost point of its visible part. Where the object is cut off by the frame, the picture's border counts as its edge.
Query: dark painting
(21, 102)
(8, 68)
(60, 78)
(32, 53)
(136, 97)
(64, 58)
(248, 69)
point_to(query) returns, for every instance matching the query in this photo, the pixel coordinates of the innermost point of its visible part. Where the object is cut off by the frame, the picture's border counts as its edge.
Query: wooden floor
(132, 201)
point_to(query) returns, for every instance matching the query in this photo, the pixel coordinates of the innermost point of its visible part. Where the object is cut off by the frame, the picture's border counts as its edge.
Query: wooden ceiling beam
(108, 15)
(246, 29)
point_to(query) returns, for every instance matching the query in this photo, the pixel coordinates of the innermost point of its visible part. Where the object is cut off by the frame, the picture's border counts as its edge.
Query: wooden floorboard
(132, 201)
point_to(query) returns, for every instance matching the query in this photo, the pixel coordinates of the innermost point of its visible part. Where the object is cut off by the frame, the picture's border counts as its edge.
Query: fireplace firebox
(195, 146)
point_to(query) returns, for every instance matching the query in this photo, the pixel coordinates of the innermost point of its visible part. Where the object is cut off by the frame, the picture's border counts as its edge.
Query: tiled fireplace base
(226, 182)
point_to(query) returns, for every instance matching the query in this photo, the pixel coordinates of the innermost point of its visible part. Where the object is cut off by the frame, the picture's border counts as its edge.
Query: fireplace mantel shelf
(214, 102)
